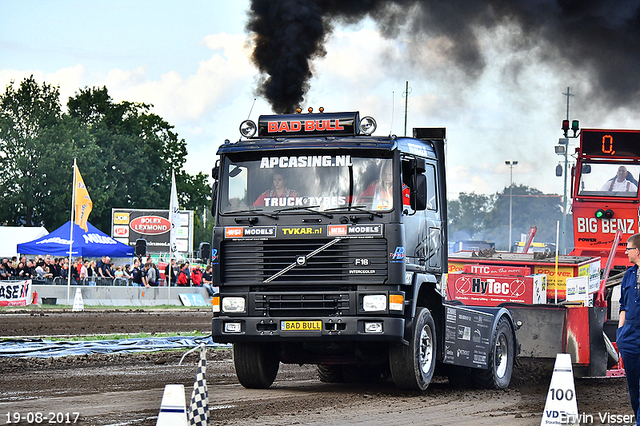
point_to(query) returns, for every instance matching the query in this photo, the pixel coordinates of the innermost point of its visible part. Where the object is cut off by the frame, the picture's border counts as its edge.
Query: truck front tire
(256, 364)
(412, 365)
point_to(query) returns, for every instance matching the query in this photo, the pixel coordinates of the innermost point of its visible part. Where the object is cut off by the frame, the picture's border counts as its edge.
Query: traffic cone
(78, 304)
(173, 409)
(561, 406)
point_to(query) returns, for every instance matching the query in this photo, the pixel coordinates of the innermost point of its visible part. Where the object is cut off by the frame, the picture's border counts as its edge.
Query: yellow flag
(83, 202)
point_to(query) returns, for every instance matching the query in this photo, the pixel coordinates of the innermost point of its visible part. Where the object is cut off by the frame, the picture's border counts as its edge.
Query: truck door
(423, 228)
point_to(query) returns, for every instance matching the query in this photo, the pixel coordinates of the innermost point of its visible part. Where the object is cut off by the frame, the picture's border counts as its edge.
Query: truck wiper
(256, 211)
(362, 209)
(307, 208)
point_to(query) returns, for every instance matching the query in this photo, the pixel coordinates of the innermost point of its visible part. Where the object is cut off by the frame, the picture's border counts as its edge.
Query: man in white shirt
(620, 182)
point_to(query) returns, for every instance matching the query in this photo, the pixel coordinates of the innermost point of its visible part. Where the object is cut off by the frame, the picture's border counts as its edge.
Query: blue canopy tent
(93, 243)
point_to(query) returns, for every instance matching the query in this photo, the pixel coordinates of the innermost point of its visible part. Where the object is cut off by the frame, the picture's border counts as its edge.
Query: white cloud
(187, 99)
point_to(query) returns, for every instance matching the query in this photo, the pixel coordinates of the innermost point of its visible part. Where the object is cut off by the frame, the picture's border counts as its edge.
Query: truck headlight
(248, 128)
(374, 302)
(368, 125)
(233, 304)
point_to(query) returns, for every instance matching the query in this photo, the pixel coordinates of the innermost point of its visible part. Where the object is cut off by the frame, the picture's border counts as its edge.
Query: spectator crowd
(49, 270)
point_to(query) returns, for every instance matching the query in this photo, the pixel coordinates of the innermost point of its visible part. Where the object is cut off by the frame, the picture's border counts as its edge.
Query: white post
(556, 271)
(174, 217)
(73, 209)
(510, 164)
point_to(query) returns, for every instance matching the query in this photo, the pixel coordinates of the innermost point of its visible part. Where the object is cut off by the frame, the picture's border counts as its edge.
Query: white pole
(73, 209)
(511, 164)
(172, 205)
(556, 272)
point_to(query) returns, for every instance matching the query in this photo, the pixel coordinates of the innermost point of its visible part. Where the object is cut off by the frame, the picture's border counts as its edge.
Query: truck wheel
(412, 366)
(256, 364)
(330, 373)
(501, 359)
(612, 354)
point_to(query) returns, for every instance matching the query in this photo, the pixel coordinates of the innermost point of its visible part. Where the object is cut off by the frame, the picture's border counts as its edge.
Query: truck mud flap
(468, 334)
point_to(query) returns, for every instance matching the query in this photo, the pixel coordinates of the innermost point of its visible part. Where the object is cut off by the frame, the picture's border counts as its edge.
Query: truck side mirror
(214, 198)
(418, 187)
(215, 172)
(418, 165)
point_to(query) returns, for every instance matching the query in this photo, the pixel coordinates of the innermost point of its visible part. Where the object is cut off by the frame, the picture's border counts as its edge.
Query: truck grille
(349, 261)
(303, 305)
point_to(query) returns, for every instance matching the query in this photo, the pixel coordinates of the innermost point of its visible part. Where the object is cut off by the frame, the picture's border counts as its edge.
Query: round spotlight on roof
(368, 125)
(248, 128)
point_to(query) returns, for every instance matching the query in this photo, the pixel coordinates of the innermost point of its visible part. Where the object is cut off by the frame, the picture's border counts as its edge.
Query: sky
(191, 61)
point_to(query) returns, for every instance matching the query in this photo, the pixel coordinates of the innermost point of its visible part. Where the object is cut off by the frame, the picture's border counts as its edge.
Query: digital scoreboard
(610, 143)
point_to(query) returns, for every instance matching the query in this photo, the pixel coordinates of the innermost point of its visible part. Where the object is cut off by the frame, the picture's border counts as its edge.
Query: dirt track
(127, 389)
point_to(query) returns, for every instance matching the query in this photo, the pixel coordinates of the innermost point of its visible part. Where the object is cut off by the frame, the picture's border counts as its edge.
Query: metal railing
(90, 281)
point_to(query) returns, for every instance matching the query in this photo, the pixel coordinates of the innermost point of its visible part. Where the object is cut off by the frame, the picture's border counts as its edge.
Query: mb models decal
(263, 232)
(251, 232)
(354, 230)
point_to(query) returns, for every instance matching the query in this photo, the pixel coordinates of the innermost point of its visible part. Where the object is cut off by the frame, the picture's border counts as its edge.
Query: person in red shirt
(380, 192)
(278, 196)
(196, 276)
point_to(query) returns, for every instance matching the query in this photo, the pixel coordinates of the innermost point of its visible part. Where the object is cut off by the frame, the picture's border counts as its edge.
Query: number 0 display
(610, 143)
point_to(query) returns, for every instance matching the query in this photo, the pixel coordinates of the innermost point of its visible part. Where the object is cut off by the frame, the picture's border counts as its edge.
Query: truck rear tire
(256, 364)
(412, 365)
(330, 373)
(501, 359)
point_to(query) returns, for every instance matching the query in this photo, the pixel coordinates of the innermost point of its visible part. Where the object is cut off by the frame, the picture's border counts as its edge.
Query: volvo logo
(301, 260)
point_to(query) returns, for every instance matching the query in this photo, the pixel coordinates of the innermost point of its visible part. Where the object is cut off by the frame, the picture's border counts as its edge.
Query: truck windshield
(609, 180)
(318, 182)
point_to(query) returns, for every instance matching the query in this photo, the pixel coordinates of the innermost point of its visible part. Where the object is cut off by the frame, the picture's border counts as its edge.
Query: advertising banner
(487, 290)
(154, 226)
(15, 293)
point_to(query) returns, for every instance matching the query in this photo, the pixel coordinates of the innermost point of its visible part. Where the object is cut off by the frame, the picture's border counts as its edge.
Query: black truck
(330, 248)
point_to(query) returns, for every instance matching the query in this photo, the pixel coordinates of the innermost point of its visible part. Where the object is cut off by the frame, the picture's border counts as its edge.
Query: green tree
(530, 207)
(124, 152)
(486, 217)
(467, 214)
(138, 149)
(36, 150)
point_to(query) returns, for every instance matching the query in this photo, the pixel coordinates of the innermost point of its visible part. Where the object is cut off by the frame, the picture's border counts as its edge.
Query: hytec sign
(492, 290)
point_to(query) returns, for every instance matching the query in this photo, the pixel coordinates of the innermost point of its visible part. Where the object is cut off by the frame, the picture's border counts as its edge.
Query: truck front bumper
(247, 329)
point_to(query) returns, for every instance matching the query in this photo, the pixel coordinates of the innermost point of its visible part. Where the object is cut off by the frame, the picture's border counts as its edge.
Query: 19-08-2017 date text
(36, 417)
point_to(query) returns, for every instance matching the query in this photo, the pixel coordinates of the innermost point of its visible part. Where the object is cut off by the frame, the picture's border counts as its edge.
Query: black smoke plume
(599, 37)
